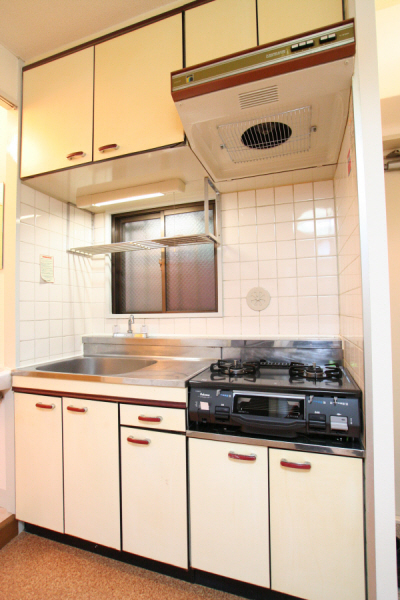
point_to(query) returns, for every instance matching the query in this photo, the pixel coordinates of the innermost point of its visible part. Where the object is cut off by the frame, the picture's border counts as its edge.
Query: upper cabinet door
(57, 114)
(133, 108)
(219, 28)
(279, 19)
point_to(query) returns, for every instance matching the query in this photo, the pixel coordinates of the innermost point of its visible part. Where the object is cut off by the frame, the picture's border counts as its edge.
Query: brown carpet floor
(33, 568)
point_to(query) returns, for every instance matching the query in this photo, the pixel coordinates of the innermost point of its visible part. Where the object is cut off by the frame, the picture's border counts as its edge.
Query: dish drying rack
(165, 242)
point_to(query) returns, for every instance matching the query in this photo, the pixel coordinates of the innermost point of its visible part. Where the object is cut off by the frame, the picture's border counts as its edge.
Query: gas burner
(298, 371)
(234, 368)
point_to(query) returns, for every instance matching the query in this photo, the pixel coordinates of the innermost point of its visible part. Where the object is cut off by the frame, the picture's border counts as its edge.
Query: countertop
(171, 372)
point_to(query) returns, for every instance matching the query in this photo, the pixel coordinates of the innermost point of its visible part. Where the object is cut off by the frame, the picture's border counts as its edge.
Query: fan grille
(274, 136)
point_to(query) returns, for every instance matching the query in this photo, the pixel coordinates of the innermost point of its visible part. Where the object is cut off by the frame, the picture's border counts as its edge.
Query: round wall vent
(258, 298)
(266, 135)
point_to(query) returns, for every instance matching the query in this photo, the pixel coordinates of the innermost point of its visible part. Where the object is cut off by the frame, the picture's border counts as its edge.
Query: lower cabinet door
(154, 506)
(229, 510)
(38, 461)
(91, 471)
(317, 526)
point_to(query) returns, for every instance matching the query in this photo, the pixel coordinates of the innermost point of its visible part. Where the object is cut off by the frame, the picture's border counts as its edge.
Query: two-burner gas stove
(288, 400)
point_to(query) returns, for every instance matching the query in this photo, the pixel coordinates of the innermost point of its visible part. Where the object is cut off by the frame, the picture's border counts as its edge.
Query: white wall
(349, 256)
(9, 122)
(53, 316)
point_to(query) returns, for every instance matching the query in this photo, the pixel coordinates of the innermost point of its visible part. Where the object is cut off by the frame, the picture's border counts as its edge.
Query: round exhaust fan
(266, 135)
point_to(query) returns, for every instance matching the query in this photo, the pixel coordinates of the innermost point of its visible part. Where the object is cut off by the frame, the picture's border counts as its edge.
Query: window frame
(117, 220)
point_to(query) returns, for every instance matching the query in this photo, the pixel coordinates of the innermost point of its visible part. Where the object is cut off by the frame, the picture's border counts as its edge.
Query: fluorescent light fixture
(108, 196)
(142, 197)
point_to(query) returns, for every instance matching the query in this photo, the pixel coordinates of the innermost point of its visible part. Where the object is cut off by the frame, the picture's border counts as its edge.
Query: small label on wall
(47, 268)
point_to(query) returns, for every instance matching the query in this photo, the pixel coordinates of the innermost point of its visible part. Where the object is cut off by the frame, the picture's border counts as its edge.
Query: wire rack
(177, 240)
(269, 137)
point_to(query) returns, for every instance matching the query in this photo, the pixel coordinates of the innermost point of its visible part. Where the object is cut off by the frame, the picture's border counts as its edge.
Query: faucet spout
(131, 321)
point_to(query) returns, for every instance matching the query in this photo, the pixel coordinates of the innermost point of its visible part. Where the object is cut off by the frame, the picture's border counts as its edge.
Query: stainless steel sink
(101, 365)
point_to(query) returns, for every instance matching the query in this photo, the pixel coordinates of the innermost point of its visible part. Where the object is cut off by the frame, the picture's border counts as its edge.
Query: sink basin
(102, 365)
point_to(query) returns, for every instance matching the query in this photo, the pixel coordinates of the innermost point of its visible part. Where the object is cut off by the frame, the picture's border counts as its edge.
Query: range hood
(279, 107)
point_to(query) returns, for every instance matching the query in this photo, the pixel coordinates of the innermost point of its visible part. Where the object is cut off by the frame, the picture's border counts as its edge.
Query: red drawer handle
(248, 457)
(306, 466)
(150, 419)
(79, 154)
(41, 405)
(76, 409)
(142, 442)
(108, 147)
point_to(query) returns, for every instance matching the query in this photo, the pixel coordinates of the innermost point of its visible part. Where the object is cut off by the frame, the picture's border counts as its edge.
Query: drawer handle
(76, 409)
(79, 154)
(306, 466)
(248, 457)
(150, 419)
(48, 406)
(142, 442)
(108, 147)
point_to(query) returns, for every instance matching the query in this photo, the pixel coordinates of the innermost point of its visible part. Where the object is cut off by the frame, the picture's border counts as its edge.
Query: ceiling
(380, 4)
(31, 29)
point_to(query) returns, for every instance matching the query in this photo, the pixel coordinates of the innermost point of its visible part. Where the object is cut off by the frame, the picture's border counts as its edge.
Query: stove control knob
(218, 392)
(311, 398)
(335, 400)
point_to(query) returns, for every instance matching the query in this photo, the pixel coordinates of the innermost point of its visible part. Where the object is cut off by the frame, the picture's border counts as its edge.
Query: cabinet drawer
(171, 419)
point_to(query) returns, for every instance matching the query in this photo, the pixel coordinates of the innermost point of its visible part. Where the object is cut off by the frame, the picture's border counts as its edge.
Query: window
(171, 280)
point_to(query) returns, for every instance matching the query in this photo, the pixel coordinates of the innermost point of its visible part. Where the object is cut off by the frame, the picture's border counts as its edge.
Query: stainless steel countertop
(171, 372)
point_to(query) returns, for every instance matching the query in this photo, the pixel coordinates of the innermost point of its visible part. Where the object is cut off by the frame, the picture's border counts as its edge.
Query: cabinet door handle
(142, 442)
(248, 457)
(305, 466)
(79, 154)
(48, 406)
(108, 147)
(150, 419)
(76, 409)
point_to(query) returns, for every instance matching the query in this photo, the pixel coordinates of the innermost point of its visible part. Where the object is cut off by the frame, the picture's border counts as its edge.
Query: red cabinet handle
(79, 154)
(41, 405)
(142, 442)
(306, 466)
(248, 457)
(150, 419)
(76, 409)
(108, 147)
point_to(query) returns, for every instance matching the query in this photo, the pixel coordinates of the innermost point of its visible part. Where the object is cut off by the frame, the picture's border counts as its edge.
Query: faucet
(131, 320)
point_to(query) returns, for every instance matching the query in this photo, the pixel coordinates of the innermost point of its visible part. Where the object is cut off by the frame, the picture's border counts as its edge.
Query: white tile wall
(348, 241)
(52, 315)
(282, 239)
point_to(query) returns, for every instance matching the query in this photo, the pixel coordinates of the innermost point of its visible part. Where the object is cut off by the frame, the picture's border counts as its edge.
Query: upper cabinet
(57, 114)
(133, 107)
(219, 28)
(279, 19)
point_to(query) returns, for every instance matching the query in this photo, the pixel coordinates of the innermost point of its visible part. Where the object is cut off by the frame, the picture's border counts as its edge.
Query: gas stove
(276, 398)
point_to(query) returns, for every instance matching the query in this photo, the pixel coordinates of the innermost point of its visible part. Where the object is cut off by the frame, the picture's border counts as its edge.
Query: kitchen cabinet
(133, 107)
(279, 19)
(229, 529)
(317, 529)
(38, 461)
(57, 114)
(219, 28)
(91, 471)
(153, 484)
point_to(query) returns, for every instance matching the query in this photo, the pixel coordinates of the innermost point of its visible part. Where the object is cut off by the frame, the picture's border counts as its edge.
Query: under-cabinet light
(143, 197)
(100, 195)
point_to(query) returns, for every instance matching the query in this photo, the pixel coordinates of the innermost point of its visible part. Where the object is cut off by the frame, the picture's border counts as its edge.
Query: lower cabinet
(229, 510)
(91, 471)
(38, 461)
(154, 507)
(317, 531)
